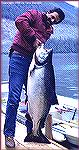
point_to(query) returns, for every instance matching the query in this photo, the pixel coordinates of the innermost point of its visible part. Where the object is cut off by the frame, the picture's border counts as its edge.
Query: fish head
(41, 54)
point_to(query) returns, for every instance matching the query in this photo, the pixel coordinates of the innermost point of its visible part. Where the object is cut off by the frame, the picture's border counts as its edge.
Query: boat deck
(21, 129)
(19, 137)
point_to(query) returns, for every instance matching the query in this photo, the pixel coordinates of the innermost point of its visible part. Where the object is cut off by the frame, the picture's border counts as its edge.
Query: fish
(40, 91)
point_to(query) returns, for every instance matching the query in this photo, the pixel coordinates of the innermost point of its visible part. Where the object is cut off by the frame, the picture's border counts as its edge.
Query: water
(66, 73)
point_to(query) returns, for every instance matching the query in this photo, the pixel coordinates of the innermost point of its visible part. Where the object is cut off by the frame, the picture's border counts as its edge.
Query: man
(34, 28)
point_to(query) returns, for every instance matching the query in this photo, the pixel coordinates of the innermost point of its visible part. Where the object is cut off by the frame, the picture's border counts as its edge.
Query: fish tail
(36, 138)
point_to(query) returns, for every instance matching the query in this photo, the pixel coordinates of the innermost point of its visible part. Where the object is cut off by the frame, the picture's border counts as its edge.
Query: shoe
(9, 142)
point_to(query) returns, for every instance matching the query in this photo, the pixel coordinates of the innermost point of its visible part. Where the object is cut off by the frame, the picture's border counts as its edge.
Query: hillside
(65, 37)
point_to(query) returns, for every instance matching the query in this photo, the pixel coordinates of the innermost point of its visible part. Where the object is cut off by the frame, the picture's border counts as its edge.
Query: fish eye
(53, 17)
(46, 50)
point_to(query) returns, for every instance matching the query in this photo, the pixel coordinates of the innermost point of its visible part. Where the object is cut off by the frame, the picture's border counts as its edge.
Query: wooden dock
(19, 137)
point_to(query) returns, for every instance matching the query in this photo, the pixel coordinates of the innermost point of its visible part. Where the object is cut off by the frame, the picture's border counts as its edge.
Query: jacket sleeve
(24, 24)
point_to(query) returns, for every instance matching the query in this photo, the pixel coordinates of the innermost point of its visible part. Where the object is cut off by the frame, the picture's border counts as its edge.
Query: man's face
(52, 17)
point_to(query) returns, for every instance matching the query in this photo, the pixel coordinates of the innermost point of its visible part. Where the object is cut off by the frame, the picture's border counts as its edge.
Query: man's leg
(18, 70)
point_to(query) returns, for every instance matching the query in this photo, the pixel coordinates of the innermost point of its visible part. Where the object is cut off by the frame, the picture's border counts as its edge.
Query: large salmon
(40, 91)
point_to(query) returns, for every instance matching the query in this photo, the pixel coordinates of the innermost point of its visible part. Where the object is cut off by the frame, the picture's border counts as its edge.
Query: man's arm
(23, 24)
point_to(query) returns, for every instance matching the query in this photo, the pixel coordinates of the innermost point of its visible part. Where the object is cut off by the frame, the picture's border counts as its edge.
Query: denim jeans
(18, 70)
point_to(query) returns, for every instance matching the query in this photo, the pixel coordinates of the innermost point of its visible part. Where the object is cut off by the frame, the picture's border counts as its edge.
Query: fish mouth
(41, 55)
(38, 63)
(39, 138)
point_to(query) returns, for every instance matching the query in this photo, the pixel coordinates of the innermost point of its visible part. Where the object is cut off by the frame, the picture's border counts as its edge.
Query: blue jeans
(18, 70)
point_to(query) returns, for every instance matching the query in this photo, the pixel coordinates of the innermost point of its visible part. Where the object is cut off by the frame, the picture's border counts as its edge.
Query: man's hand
(37, 43)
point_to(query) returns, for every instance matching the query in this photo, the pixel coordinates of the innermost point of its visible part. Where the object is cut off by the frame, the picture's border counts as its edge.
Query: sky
(75, 3)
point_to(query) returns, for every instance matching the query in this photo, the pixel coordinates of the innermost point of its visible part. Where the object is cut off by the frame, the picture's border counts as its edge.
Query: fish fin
(28, 117)
(36, 138)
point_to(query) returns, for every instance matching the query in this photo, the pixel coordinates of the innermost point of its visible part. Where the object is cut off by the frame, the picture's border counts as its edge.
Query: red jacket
(30, 26)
